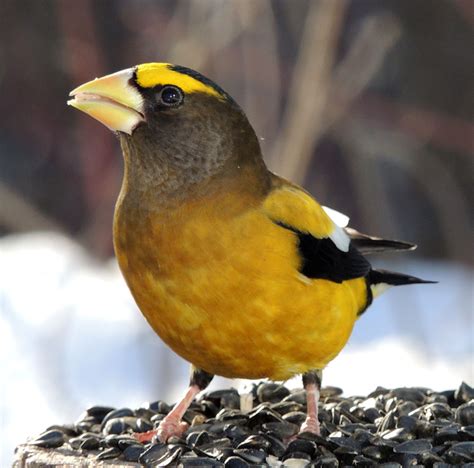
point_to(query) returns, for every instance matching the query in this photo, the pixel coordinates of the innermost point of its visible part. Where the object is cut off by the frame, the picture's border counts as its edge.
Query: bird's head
(173, 123)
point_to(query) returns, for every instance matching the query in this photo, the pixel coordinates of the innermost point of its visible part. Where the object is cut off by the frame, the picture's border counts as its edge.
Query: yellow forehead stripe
(154, 74)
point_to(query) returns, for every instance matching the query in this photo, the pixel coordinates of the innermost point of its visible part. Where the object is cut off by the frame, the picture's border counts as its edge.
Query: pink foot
(170, 426)
(166, 429)
(311, 425)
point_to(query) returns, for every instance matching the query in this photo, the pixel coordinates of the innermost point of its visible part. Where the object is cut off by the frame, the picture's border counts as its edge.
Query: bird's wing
(370, 244)
(324, 247)
(364, 243)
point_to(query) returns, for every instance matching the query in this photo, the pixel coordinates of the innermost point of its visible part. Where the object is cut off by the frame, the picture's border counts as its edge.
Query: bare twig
(255, 63)
(335, 93)
(85, 60)
(376, 37)
(312, 77)
(445, 131)
(406, 153)
(195, 45)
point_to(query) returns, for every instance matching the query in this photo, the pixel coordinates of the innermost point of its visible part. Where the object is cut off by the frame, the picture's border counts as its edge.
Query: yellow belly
(226, 295)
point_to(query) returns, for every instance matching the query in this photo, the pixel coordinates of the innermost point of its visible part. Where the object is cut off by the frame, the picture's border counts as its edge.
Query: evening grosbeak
(239, 271)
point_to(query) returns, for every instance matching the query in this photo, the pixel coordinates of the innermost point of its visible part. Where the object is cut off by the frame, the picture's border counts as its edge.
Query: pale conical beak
(112, 100)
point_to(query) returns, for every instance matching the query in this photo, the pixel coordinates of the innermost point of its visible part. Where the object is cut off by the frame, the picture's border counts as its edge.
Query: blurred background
(366, 103)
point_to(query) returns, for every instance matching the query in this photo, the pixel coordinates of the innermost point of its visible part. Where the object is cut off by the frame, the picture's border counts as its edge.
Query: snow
(71, 336)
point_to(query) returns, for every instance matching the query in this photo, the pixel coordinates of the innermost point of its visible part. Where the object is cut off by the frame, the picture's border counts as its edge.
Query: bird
(239, 271)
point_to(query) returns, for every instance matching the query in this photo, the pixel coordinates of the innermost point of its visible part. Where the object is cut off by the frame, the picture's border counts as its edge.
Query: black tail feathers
(379, 281)
(394, 279)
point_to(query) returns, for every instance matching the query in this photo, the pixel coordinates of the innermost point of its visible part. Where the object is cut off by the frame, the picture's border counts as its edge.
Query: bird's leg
(172, 425)
(312, 385)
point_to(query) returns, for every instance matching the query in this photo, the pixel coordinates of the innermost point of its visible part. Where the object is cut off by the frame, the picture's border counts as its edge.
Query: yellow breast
(222, 289)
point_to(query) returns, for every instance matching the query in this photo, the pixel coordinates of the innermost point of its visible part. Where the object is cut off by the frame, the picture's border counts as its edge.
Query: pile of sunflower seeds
(389, 428)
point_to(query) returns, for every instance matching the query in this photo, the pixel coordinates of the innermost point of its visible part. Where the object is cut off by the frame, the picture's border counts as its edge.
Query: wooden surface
(28, 456)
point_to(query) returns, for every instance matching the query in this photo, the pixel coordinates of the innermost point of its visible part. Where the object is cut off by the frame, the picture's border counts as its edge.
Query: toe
(145, 437)
(170, 428)
(311, 425)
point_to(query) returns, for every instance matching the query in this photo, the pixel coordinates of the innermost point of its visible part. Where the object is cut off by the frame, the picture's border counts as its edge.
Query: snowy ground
(71, 336)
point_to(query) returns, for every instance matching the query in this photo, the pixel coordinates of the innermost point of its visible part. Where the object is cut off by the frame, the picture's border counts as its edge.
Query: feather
(369, 244)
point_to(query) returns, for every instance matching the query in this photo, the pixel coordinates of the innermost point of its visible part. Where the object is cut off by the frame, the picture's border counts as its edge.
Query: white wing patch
(339, 236)
(338, 218)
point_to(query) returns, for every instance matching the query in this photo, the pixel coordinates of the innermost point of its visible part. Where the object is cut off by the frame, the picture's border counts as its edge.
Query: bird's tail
(380, 280)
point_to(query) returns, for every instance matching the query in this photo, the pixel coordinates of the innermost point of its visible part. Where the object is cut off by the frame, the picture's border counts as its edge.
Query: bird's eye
(170, 96)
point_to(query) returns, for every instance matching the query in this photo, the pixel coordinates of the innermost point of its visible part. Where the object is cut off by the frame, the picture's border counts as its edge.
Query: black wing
(322, 259)
(369, 244)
